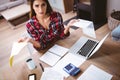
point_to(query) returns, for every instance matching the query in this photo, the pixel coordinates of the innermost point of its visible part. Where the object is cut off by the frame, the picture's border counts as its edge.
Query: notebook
(53, 55)
(86, 47)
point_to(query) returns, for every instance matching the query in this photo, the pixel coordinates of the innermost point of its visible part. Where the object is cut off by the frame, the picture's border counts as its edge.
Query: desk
(106, 58)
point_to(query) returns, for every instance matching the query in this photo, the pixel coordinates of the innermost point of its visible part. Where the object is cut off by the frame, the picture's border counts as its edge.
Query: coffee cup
(30, 63)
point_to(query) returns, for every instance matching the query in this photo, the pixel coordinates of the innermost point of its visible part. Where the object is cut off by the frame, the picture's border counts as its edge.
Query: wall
(62, 5)
(58, 4)
(112, 5)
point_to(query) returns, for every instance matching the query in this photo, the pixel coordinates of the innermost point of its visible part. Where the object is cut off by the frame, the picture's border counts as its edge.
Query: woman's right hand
(24, 39)
(27, 39)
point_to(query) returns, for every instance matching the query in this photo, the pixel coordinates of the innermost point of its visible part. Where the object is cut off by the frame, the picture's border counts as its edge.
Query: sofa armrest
(25, 1)
(15, 3)
(3, 7)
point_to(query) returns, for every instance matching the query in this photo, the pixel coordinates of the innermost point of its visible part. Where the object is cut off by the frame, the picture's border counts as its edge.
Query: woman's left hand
(70, 24)
(72, 21)
(24, 39)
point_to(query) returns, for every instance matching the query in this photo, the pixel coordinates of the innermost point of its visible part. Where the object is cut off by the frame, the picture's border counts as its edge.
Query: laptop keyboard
(87, 47)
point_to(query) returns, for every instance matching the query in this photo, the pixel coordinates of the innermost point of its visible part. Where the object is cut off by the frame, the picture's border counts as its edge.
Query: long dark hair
(32, 12)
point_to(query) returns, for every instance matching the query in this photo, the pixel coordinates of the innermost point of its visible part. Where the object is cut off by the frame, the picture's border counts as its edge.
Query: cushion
(4, 2)
(12, 0)
(3, 7)
(116, 33)
(14, 3)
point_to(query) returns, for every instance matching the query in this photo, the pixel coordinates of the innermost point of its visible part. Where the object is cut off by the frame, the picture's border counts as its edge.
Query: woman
(45, 25)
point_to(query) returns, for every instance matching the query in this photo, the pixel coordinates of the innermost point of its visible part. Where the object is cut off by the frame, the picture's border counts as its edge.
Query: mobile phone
(32, 77)
(71, 69)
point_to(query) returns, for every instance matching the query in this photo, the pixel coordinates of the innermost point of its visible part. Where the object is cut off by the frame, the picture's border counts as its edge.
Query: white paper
(95, 73)
(17, 47)
(82, 23)
(68, 58)
(50, 74)
(89, 30)
(50, 58)
(53, 55)
(58, 50)
(87, 27)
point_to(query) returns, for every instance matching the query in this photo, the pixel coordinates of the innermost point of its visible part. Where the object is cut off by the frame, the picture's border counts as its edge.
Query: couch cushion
(14, 3)
(13, 0)
(3, 2)
(3, 7)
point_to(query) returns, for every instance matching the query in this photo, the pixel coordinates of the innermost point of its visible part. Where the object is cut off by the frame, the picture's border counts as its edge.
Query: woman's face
(40, 7)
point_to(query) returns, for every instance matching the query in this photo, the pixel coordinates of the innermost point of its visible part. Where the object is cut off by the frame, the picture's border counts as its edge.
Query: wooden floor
(7, 36)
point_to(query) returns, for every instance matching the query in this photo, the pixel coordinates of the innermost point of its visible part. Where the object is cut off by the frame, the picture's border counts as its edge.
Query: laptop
(86, 47)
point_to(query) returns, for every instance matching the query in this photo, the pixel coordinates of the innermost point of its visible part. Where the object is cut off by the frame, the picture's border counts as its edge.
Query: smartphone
(71, 69)
(32, 77)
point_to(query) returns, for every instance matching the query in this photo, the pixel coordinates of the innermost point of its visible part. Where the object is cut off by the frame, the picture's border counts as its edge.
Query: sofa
(7, 4)
(116, 33)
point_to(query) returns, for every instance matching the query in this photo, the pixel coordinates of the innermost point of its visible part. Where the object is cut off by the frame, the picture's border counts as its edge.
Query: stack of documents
(95, 73)
(53, 55)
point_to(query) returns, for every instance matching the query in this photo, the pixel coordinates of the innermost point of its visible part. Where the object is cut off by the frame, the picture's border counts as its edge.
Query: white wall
(57, 4)
(112, 5)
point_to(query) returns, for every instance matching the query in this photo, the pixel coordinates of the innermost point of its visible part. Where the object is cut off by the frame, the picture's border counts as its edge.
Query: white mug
(30, 63)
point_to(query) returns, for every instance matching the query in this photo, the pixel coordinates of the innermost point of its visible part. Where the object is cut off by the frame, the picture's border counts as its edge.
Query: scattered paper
(82, 23)
(16, 48)
(58, 50)
(87, 27)
(68, 58)
(50, 58)
(95, 73)
(50, 74)
(53, 55)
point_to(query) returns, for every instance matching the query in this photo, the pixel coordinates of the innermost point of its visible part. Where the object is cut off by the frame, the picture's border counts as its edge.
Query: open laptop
(86, 47)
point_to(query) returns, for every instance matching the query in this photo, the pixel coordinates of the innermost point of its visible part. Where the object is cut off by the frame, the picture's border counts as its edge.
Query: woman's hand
(69, 25)
(24, 39)
(72, 21)
(27, 39)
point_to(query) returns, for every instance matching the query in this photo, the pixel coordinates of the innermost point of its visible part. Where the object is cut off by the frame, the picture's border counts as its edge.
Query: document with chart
(95, 73)
(86, 26)
(53, 55)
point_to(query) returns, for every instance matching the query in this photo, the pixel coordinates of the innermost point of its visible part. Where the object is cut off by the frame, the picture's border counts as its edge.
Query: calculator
(71, 69)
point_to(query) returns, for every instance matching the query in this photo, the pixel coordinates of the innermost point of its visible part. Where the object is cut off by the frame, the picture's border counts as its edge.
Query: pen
(41, 67)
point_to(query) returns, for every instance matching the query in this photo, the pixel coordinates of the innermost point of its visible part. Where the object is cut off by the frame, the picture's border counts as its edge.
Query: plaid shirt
(45, 36)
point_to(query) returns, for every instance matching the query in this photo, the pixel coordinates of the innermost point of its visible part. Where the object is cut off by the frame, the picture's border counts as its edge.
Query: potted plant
(114, 20)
